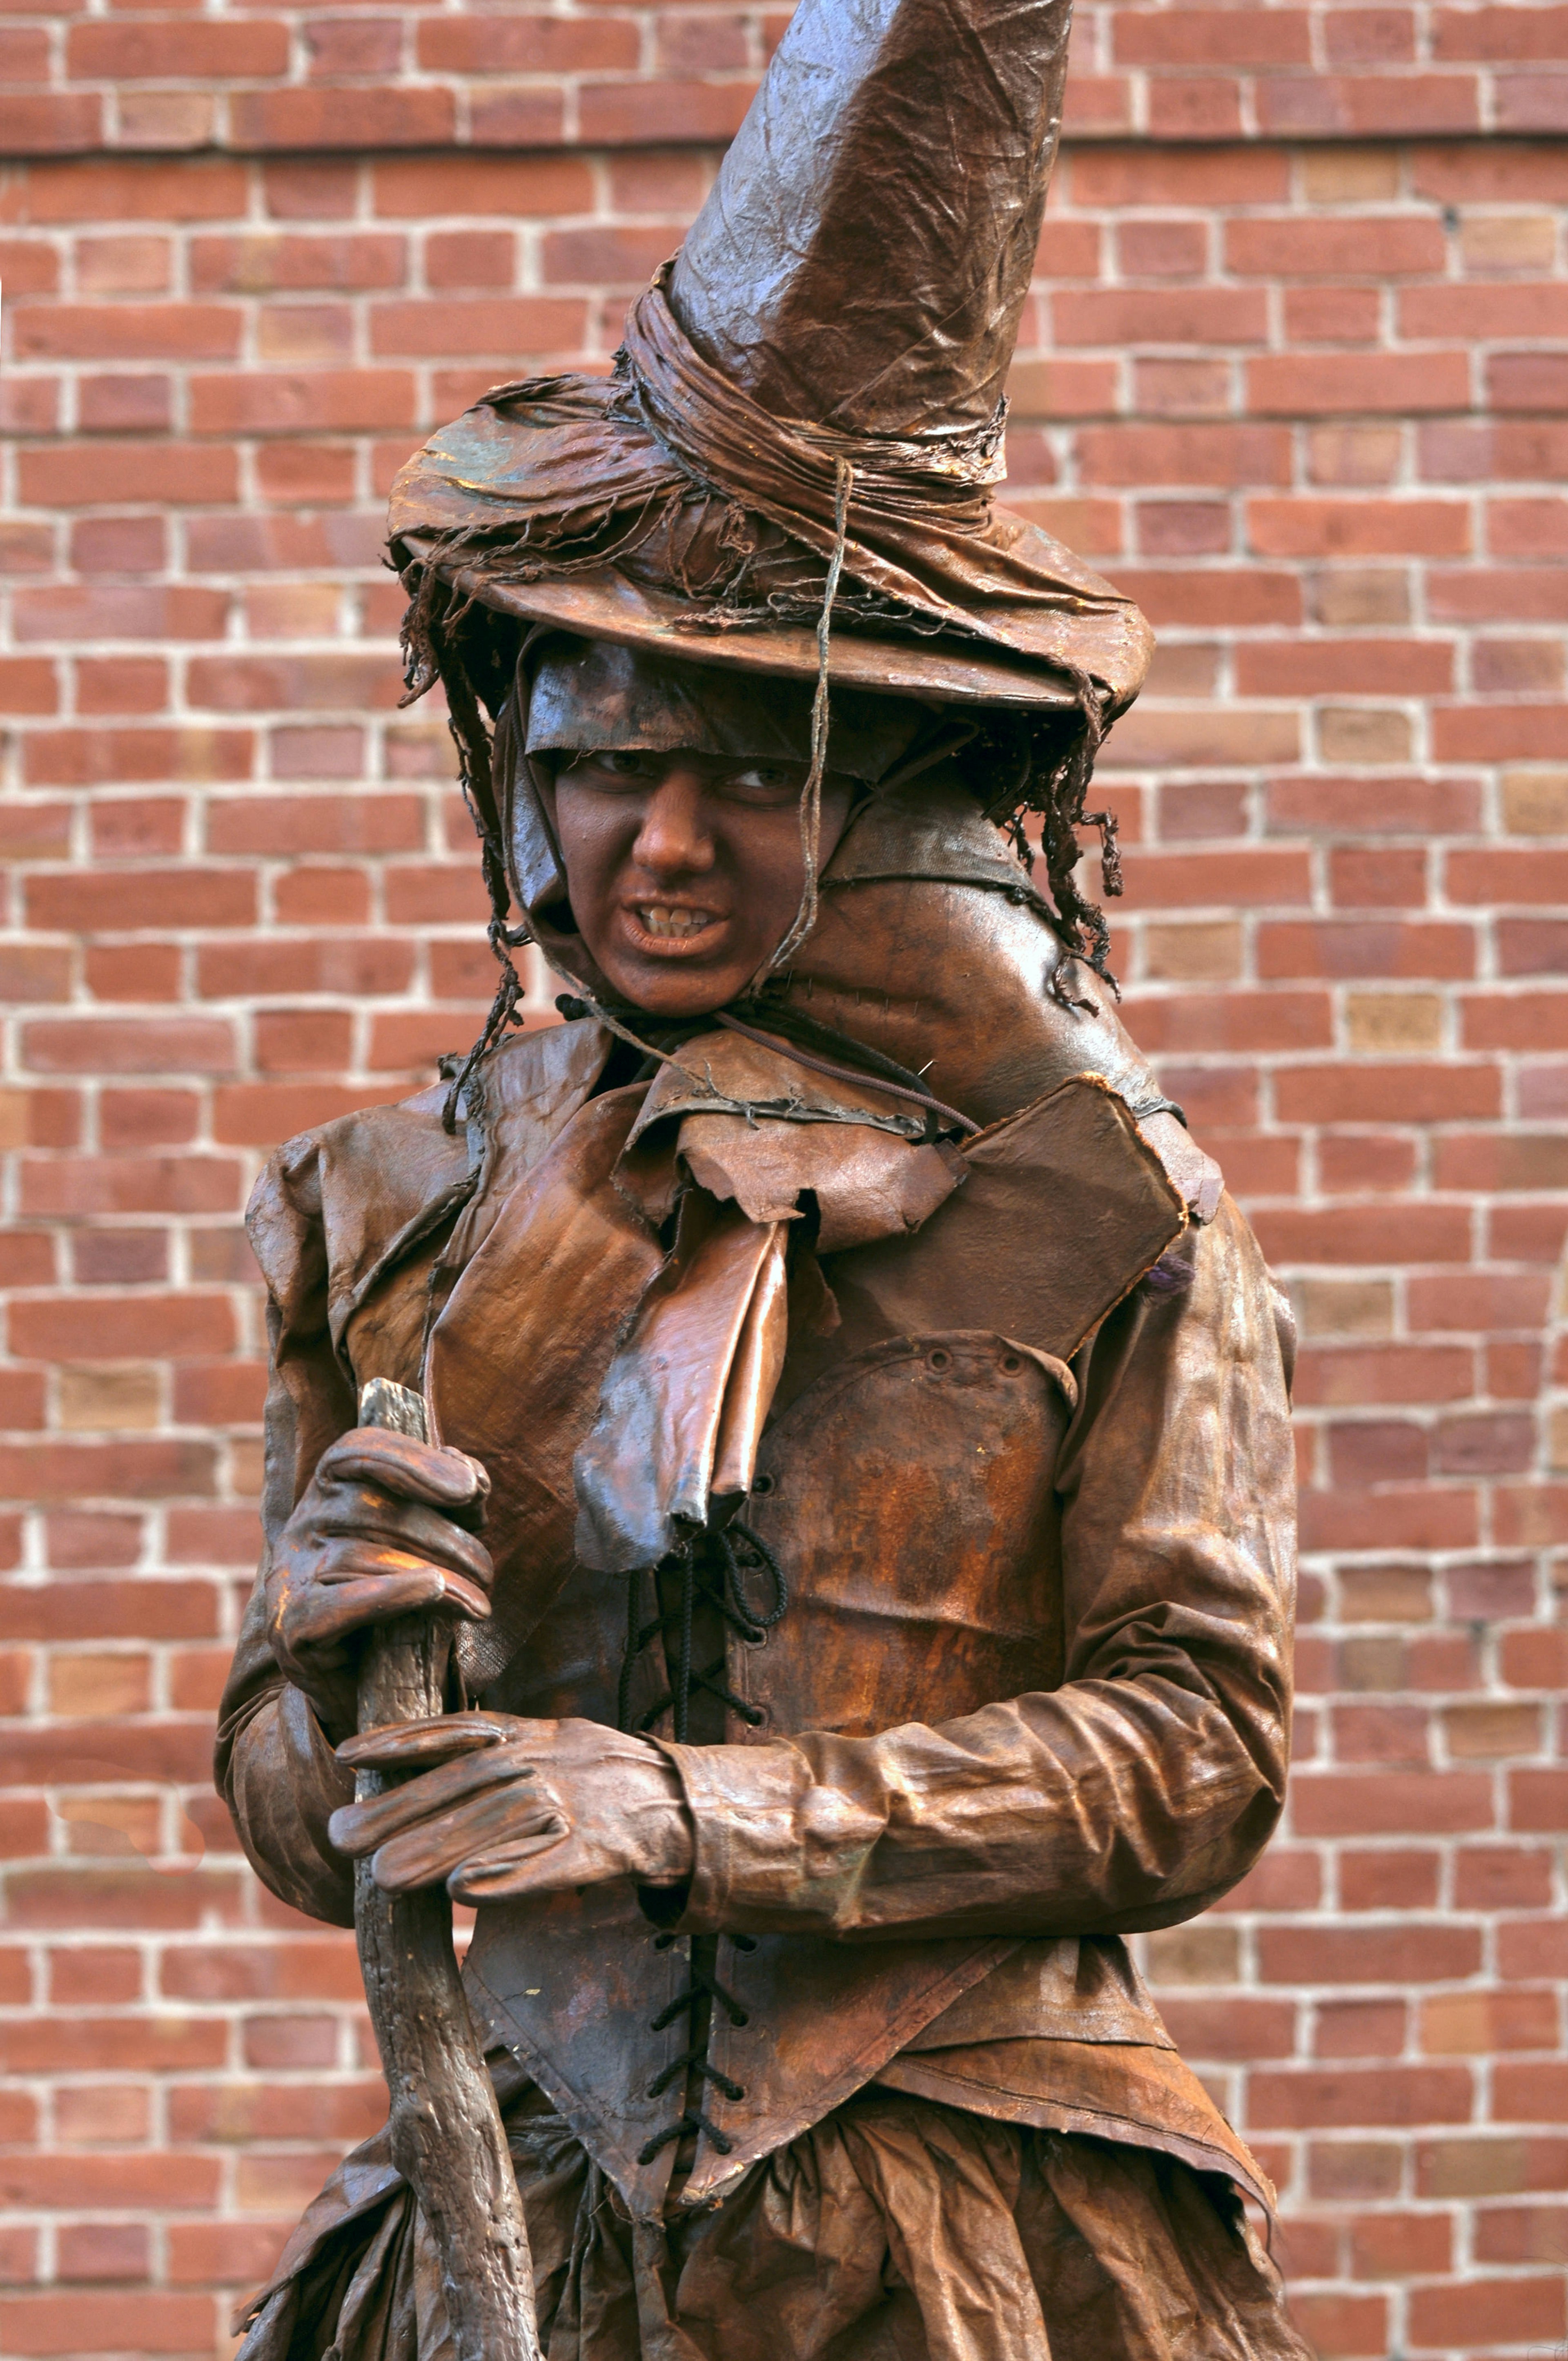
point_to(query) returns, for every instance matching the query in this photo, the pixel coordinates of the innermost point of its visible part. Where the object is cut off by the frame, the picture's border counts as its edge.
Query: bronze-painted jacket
(1012, 1419)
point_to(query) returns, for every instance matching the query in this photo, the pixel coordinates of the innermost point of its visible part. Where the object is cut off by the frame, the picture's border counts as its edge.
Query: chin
(680, 991)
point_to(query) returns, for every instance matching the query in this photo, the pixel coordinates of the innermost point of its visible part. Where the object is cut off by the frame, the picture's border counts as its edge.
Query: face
(684, 870)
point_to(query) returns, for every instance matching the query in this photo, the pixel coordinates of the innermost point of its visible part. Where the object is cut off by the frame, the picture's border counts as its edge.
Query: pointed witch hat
(809, 396)
(790, 469)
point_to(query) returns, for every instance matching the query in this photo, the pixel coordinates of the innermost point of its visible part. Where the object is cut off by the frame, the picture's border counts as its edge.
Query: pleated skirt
(896, 2230)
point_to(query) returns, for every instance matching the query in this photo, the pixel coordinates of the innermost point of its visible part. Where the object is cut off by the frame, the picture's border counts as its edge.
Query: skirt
(895, 2230)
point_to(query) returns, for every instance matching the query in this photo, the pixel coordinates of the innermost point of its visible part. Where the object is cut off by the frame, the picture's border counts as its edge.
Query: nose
(675, 838)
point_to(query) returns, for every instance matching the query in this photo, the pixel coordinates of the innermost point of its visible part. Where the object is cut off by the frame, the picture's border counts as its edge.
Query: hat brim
(604, 604)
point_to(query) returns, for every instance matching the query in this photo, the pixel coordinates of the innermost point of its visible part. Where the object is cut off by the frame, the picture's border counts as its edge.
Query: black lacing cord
(702, 1986)
(720, 1588)
(738, 1551)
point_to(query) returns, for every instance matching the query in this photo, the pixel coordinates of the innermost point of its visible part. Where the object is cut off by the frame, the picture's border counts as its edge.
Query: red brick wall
(1294, 376)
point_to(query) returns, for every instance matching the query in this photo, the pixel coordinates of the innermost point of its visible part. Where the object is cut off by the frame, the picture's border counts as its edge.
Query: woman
(864, 1498)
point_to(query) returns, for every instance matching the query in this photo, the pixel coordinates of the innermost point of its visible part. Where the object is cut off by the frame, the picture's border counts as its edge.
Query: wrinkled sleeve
(274, 1766)
(1146, 1784)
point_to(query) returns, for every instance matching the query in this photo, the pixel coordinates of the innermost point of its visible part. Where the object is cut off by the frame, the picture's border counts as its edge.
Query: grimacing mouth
(671, 918)
(666, 929)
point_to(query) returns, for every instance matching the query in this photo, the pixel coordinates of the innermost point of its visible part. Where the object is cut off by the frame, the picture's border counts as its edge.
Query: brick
(127, 332)
(234, 2252)
(1387, 1092)
(1319, 667)
(424, 188)
(1399, 2246)
(1474, 2024)
(1331, 316)
(1356, 106)
(1153, 734)
(257, 264)
(1522, 2234)
(1357, 528)
(1484, 313)
(1537, 102)
(1347, 2098)
(184, 48)
(316, 1968)
(91, 475)
(317, 119)
(658, 113)
(1487, 2167)
(133, 899)
(1395, 246)
(1320, 385)
(527, 45)
(1210, 315)
(471, 258)
(1356, 949)
(1395, 1804)
(1487, 35)
(1508, 2311)
(50, 125)
(75, 2323)
(257, 684)
(312, 401)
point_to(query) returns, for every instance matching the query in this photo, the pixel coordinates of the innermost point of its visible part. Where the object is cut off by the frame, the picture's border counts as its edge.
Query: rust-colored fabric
(849, 298)
(897, 2229)
(1031, 1685)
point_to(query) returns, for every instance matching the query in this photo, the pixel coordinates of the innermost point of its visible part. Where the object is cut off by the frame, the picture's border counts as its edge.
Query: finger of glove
(359, 1828)
(327, 1612)
(351, 1560)
(413, 1471)
(363, 1515)
(499, 1876)
(433, 1850)
(403, 1745)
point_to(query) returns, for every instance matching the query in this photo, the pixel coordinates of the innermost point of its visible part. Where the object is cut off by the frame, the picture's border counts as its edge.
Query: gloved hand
(386, 1527)
(514, 1806)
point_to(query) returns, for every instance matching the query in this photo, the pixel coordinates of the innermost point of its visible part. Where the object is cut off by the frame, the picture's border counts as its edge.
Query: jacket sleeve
(1147, 1783)
(274, 1767)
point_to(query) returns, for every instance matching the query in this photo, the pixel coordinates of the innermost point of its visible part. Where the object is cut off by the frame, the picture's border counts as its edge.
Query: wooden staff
(447, 2138)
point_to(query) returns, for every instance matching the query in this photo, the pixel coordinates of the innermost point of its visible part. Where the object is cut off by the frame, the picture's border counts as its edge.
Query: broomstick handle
(447, 2139)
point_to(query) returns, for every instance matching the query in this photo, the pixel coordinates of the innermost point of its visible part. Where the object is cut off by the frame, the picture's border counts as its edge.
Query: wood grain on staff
(447, 2138)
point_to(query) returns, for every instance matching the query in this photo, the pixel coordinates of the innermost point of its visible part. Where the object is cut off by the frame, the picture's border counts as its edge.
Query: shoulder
(334, 1202)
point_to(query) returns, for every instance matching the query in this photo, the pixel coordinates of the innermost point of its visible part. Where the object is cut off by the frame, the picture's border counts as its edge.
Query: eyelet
(939, 1360)
(1011, 1364)
(760, 1487)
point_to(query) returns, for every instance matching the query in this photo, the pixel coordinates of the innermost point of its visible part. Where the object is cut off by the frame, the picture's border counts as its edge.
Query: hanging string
(811, 794)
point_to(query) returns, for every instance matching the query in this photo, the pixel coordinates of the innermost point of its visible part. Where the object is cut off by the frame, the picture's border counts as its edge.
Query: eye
(606, 767)
(762, 783)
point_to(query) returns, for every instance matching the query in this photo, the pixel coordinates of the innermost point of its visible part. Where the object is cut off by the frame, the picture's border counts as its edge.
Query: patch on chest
(1063, 1208)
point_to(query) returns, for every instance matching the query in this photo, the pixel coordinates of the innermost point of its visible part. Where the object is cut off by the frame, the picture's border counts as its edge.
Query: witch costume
(884, 1408)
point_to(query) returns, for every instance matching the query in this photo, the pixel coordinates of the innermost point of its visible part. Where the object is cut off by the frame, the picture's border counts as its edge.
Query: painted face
(674, 799)
(684, 869)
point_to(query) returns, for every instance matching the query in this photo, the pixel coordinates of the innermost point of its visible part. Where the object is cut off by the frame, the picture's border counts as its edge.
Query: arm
(1130, 1796)
(274, 1764)
(1148, 1783)
(357, 1526)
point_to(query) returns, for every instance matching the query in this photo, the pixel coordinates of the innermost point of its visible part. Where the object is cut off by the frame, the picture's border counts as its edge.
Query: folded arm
(1145, 1786)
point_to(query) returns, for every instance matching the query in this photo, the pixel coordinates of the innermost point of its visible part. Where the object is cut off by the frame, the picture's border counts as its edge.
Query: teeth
(657, 919)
